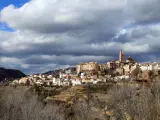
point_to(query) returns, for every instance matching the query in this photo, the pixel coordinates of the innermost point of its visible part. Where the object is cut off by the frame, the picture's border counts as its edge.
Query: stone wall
(103, 67)
(90, 66)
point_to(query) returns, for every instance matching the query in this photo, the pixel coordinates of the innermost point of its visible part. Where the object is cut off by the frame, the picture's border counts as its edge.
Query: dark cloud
(54, 34)
(143, 12)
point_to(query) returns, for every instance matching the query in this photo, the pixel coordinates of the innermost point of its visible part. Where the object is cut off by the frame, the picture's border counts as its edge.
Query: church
(94, 66)
(120, 62)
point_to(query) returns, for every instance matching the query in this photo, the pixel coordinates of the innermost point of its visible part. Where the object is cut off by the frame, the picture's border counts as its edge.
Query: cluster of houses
(72, 78)
(64, 79)
(92, 72)
(150, 66)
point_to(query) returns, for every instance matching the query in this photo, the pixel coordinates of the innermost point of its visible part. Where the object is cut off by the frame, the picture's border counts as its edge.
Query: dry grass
(138, 103)
(19, 104)
(22, 104)
(123, 102)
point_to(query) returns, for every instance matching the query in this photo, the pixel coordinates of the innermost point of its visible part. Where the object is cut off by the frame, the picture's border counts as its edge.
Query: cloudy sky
(41, 35)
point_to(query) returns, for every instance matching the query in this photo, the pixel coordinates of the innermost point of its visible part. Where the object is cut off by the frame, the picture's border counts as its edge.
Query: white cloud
(121, 32)
(57, 33)
(62, 15)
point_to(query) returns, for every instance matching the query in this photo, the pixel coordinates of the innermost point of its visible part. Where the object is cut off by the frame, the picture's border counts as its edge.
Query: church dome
(129, 59)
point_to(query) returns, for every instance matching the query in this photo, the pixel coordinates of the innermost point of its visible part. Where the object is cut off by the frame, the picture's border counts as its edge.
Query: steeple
(121, 56)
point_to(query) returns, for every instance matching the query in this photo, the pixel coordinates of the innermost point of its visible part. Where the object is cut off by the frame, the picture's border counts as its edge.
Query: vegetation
(137, 103)
(120, 102)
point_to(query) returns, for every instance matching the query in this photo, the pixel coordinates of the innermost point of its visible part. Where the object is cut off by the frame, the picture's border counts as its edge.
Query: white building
(150, 66)
(49, 76)
(62, 75)
(76, 82)
(146, 67)
(57, 81)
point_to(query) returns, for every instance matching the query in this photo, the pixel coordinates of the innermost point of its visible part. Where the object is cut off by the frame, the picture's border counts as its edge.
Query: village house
(150, 66)
(92, 72)
(76, 82)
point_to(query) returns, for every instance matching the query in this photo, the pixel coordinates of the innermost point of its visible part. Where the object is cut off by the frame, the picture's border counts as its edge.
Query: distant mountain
(10, 74)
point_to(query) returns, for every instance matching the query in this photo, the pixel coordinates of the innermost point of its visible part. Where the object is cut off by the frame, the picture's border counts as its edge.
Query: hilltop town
(117, 90)
(92, 72)
(79, 60)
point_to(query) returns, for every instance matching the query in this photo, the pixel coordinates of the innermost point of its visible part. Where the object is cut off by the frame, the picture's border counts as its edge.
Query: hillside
(56, 72)
(10, 74)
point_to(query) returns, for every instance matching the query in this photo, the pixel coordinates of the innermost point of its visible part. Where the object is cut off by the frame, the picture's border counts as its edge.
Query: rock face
(10, 74)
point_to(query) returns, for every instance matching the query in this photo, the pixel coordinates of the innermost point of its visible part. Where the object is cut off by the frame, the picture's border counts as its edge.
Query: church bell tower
(121, 56)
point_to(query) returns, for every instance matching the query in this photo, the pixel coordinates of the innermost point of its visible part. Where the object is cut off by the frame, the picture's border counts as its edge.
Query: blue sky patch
(17, 3)
(5, 3)
(5, 27)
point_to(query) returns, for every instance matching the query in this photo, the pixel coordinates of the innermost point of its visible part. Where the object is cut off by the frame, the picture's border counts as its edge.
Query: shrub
(140, 104)
(19, 104)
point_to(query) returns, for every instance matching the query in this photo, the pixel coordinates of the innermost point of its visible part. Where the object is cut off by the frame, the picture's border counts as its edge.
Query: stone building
(113, 65)
(121, 62)
(121, 56)
(103, 67)
(90, 66)
(130, 60)
(117, 63)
